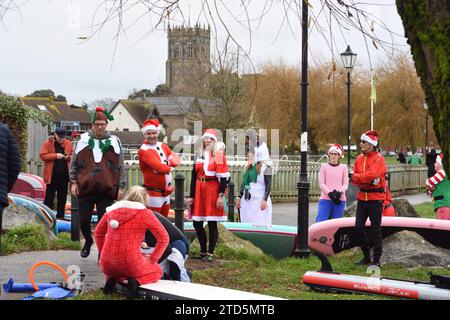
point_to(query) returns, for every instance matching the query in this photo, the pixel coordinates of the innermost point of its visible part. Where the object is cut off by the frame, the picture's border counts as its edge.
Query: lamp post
(348, 59)
(302, 250)
(425, 106)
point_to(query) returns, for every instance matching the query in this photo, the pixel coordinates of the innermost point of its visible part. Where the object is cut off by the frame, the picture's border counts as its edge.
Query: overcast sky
(39, 48)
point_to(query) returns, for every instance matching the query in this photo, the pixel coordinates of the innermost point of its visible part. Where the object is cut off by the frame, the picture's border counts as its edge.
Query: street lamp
(302, 250)
(348, 59)
(425, 106)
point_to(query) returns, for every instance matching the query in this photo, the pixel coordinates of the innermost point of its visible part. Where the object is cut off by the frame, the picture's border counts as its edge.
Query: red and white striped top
(432, 182)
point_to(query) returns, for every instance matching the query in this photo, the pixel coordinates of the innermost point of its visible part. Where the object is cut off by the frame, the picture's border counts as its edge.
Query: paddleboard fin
(326, 265)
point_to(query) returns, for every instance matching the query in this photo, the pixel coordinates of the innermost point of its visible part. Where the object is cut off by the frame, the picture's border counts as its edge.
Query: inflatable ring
(48, 263)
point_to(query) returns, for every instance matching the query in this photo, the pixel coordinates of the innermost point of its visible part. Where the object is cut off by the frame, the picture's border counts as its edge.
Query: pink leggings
(443, 213)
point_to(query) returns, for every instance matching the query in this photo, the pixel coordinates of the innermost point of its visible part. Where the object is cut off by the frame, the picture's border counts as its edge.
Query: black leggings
(201, 235)
(371, 209)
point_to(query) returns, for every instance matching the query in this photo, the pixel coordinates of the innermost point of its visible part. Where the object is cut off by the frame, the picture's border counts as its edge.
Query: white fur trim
(126, 205)
(158, 202)
(366, 138)
(337, 150)
(150, 127)
(114, 224)
(210, 136)
(209, 218)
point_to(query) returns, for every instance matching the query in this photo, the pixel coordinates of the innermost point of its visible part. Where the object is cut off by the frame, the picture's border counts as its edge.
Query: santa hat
(371, 137)
(439, 159)
(338, 149)
(101, 114)
(151, 124)
(211, 133)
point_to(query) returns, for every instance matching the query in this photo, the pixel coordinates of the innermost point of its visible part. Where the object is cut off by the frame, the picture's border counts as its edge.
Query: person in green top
(439, 188)
(415, 159)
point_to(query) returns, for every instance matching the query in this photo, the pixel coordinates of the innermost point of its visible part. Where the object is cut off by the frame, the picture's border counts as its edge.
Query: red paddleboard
(335, 235)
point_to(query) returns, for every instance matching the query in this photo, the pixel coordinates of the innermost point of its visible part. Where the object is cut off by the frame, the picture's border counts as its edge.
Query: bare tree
(426, 24)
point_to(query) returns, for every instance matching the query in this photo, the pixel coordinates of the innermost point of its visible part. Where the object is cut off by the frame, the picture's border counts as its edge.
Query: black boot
(110, 286)
(84, 253)
(132, 286)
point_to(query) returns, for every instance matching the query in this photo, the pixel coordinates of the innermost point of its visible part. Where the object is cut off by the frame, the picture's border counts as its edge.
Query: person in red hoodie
(156, 161)
(119, 235)
(57, 153)
(368, 174)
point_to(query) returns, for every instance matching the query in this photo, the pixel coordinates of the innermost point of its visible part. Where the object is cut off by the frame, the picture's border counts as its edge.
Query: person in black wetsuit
(171, 262)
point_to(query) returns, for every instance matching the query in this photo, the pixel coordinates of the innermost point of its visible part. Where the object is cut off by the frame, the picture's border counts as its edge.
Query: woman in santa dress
(118, 237)
(208, 183)
(254, 195)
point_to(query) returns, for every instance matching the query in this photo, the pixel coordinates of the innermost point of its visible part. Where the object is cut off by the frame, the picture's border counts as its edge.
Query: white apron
(250, 211)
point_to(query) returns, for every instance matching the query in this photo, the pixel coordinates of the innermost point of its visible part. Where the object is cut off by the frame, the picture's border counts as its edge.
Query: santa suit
(209, 170)
(156, 162)
(118, 237)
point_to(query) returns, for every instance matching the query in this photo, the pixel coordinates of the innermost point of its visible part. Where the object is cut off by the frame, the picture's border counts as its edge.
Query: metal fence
(404, 179)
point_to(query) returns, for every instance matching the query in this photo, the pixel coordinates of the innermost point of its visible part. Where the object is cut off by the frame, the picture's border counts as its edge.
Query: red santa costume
(118, 237)
(209, 169)
(156, 162)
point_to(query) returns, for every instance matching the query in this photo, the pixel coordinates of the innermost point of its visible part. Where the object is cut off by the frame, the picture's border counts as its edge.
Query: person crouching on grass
(118, 237)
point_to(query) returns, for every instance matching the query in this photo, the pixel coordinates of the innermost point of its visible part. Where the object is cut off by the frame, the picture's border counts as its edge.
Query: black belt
(373, 190)
(204, 179)
(153, 189)
(438, 198)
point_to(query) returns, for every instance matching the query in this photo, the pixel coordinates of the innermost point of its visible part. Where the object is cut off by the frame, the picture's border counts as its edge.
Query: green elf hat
(101, 114)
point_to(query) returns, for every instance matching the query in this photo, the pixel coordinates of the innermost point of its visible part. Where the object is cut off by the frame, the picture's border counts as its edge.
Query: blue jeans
(329, 210)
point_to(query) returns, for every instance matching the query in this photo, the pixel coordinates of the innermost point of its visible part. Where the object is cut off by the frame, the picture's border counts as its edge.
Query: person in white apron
(254, 195)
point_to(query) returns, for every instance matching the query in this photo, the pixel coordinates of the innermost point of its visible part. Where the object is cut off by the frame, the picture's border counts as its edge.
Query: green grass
(32, 237)
(425, 210)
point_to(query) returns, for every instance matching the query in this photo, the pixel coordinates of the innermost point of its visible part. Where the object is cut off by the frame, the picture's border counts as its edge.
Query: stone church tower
(188, 65)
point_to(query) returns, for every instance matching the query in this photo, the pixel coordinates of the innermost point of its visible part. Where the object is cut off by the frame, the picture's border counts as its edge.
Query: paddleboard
(337, 282)
(177, 290)
(276, 240)
(335, 235)
(44, 213)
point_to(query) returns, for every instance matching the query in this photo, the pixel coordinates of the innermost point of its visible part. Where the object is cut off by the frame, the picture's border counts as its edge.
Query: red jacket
(155, 169)
(48, 155)
(369, 175)
(118, 237)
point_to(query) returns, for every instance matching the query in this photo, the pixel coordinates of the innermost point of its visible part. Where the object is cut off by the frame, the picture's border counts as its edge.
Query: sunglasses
(334, 154)
(362, 141)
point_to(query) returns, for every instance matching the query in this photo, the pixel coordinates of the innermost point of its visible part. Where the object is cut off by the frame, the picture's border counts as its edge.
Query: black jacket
(9, 163)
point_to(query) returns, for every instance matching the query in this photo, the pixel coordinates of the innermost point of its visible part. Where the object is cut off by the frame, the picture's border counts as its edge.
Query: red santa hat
(151, 124)
(371, 137)
(338, 149)
(439, 159)
(211, 133)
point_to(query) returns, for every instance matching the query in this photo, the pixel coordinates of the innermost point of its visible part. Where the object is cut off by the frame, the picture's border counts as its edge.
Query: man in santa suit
(156, 160)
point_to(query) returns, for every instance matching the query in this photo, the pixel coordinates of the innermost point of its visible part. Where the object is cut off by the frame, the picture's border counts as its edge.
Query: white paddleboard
(177, 290)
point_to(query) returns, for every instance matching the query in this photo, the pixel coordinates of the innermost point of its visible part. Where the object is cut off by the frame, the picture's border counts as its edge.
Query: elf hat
(151, 124)
(371, 137)
(211, 133)
(338, 149)
(101, 114)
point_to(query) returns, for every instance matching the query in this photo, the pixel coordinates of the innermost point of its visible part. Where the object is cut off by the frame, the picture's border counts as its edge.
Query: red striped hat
(439, 159)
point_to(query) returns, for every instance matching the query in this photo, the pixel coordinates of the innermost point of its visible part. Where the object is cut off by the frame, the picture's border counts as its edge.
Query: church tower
(188, 65)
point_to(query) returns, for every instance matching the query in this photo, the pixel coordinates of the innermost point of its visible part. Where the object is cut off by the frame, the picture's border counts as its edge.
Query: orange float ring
(48, 263)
